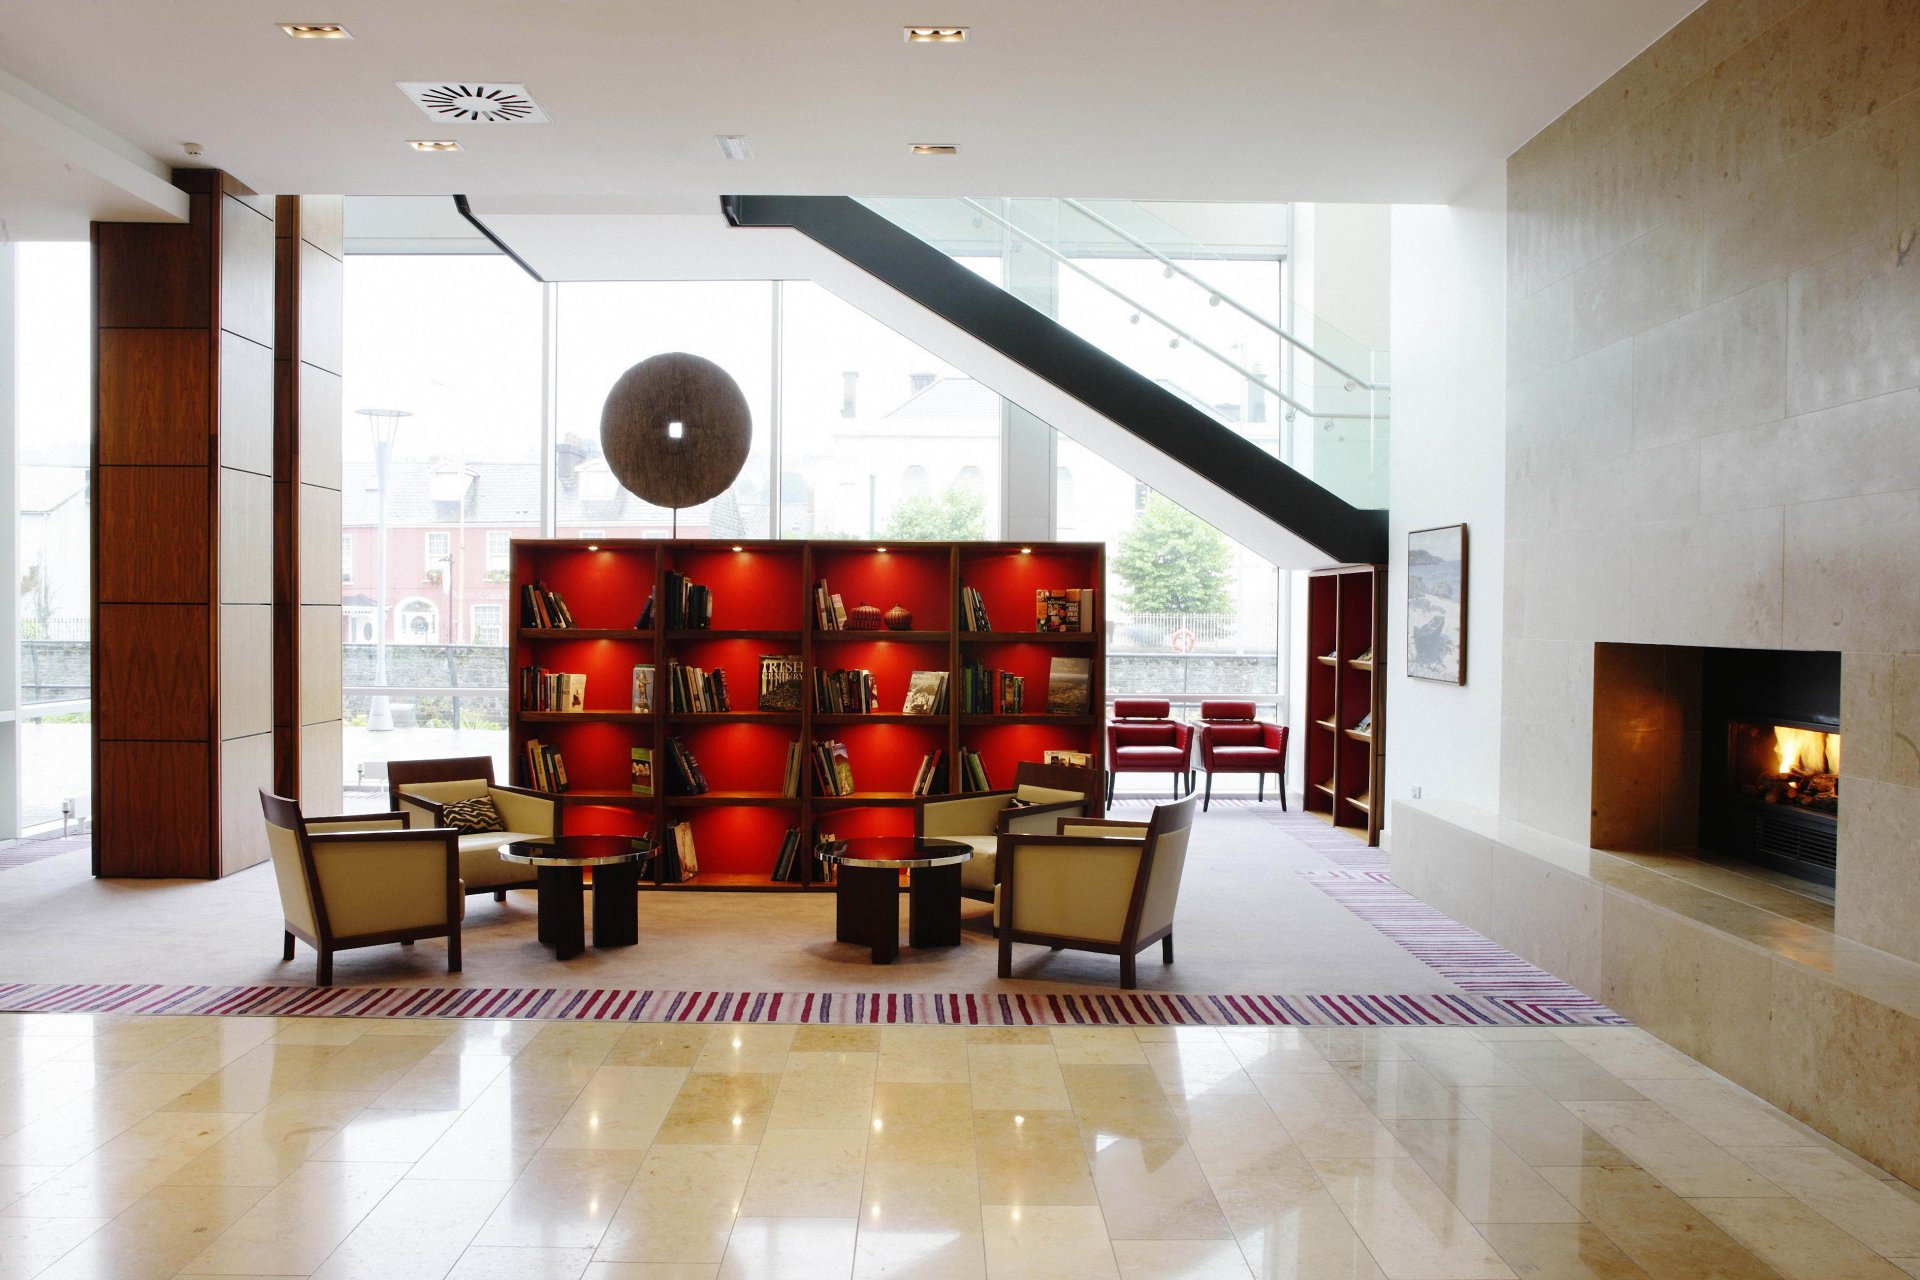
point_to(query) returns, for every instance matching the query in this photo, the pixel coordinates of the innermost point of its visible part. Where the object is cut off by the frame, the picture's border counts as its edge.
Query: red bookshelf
(1345, 683)
(763, 604)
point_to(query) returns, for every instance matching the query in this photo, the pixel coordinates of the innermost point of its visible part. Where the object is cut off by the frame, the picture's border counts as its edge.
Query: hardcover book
(1069, 686)
(782, 677)
(926, 694)
(642, 770)
(643, 688)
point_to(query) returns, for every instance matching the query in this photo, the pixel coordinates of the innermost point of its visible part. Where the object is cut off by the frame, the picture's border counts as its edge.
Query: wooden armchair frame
(402, 774)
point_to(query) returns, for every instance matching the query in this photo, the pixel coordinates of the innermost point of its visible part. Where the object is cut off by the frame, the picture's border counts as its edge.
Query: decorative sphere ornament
(675, 430)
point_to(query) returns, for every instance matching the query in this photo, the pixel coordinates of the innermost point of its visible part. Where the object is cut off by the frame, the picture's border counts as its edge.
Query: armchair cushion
(1150, 760)
(1217, 709)
(1141, 708)
(381, 886)
(1151, 733)
(475, 815)
(1073, 886)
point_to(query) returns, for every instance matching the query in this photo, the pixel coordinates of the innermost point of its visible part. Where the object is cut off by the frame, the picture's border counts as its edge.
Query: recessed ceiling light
(316, 30)
(934, 149)
(733, 146)
(433, 144)
(935, 35)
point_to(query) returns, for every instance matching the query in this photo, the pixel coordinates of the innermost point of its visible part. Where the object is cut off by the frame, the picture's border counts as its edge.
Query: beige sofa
(1049, 792)
(419, 788)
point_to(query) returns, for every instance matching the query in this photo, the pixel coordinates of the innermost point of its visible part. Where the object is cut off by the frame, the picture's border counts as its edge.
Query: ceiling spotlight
(935, 35)
(733, 146)
(433, 144)
(316, 30)
(935, 149)
(739, 548)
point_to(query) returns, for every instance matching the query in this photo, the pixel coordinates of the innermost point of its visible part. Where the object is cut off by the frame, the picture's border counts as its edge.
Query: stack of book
(832, 768)
(839, 692)
(696, 689)
(781, 678)
(973, 771)
(973, 610)
(689, 605)
(931, 777)
(678, 859)
(787, 866)
(1063, 609)
(542, 608)
(986, 692)
(546, 771)
(829, 613)
(790, 779)
(683, 771)
(926, 694)
(544, 690)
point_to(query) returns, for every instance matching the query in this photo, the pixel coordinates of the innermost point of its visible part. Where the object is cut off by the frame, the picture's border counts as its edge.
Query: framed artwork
(1437, 604)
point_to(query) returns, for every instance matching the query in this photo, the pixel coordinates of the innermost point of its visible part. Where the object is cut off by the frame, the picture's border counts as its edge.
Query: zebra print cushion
(472, 816)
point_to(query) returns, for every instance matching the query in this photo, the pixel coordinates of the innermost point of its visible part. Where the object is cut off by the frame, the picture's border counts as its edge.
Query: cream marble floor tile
(93, 1117)
(1724, 1114)
(903, 1197)
(334, 1031)
(755, 1049)
(790, 1249)
(1909, 1265)
(1325, 1117)
(807, 1173)
(907, 1253)
(382, 1135)
(1122, 1102)
(1401, 1089)
(431, 1028)
(498, 1134)
(1160, 1035)
(1538, 1042)
(1537, 1129)
(562, 1200)
(825, 1091)
(1407, 1223)
(1796, 1241)
(1857, 1202)
(485, 1262)
(1560, 1251)
(443, 1082)
(1192, 1068)
(649, 1271)
(489, 1037)
(30, 1245)
(1277, 1051)
(666, 1044)
(679, 1208)
(1355, 1044)
(563, 1054)
(17, 1180)
(209, 1048)
(1630, 1053)
(274, 1141)
(1485, 1180)
(718, 1109)
(1288, 1226)
(1684, 1161)
(255, 1078)
(1047, 1242)
(418, 1232)
(116, 1175)
(1457, 1057)
(1582, 1081)
(1664, 1235)
(1009, 1035)
(157, 1235)
(922, 1055)
(1155, 1191)
(1029, 1158)
(1016, 1076)
(1181, 1260)
(1099, 1046)
(293, 1228)
(373, 1062)
(922, 1124)
(619, 1107)
(815, 1038)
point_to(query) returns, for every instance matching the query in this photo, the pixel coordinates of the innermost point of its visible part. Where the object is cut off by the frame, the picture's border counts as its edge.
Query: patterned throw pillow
(472, 816)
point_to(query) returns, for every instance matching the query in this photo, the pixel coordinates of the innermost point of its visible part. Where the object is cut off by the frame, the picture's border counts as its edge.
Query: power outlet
(1416, 793)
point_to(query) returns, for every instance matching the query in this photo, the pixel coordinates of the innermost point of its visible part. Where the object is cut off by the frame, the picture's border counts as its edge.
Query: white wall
(1448, 467)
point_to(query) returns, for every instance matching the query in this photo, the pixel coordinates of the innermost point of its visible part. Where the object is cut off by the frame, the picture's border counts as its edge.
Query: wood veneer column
(183, 493)
(306, 501)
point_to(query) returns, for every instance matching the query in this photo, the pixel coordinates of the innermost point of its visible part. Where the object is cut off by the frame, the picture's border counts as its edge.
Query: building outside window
(346, 557)
(439, 549)
(487, 628)
(499, 551)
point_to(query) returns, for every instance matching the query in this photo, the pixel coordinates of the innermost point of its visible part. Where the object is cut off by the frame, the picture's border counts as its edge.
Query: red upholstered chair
(1143, 737)
(1232, 741)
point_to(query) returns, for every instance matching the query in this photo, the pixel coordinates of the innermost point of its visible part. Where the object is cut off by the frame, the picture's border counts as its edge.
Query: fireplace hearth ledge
(1745, 976)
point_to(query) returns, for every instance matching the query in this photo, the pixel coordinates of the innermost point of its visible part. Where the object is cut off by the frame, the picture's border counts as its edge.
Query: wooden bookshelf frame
(1346, 620)
(606, 582)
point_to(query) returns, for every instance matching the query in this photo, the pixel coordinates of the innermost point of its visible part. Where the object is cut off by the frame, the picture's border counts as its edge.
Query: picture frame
(1437, 604)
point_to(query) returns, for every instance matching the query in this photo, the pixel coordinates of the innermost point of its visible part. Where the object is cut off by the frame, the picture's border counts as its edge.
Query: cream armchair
(1095, 885)
(420, 788)
(362, 880)
(1049, 792)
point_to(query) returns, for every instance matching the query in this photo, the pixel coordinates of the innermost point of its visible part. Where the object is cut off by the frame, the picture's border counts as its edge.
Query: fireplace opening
(1770, 769)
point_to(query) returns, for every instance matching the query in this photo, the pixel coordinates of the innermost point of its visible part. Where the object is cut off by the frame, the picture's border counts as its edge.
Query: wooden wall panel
(155, 397)
(151, 275)
(151, 811)
(153, 672)
(151, 534)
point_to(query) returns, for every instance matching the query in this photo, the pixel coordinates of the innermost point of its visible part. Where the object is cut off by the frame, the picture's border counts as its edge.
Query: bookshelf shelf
(1358, 736)
(1346, 611)
(760, 598)
(1328, 725)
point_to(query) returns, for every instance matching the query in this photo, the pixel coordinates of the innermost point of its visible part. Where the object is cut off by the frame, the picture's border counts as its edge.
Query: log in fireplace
(1770, 759)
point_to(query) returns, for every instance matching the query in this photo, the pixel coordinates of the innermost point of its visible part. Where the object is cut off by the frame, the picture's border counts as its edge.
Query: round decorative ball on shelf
(864, 617)
(899, 618)
(675, 430)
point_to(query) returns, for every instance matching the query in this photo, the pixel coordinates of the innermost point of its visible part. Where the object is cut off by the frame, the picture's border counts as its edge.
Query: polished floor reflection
(153, 1147)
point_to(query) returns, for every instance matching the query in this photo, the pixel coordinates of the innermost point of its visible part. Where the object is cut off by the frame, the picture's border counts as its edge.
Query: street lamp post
(386, 426)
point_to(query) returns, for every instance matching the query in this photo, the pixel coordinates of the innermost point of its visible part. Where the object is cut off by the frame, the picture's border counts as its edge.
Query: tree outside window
(954, 515)
(1173, 562)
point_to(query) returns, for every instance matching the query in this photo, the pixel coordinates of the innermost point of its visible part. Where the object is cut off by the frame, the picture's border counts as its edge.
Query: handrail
(1145, 310)
(1216, 292)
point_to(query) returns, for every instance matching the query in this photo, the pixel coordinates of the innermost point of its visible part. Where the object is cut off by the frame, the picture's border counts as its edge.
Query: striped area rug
(853, 1008)
(20, 853)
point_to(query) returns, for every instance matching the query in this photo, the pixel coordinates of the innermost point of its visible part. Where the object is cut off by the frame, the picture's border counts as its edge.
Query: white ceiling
(1337, 100)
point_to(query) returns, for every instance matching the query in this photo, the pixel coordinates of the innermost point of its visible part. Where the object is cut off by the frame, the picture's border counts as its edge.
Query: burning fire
(1806, 751)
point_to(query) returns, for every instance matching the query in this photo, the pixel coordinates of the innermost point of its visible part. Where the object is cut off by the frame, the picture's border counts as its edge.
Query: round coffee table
(558, 865)
(867, 892)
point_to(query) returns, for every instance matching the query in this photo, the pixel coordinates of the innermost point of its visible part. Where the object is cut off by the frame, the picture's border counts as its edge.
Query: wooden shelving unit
(762, 594)
(1345, 683)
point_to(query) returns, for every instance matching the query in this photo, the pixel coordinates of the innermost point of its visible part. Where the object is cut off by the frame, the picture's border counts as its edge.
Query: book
(695, 689)
(828, 613)
(790, 779)
(1078, 759)
(679, 860)
(574, 686)
(786, 865)
(684, 777)
(641, 767)
(1063, 609)
(971, 771)
(973, 610)
(930, 778)
(833, 768)
(546, 769)
(926, 694)
(781, 678)
(688, 605)
(643, 688)
(1069, 686)
(842, 691)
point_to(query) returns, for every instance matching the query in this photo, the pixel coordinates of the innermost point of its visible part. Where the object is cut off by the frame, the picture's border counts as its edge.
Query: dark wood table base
(867, 908)
(616, 908)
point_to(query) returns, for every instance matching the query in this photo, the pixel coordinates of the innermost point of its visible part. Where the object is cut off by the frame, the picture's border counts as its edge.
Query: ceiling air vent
(475, 103)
